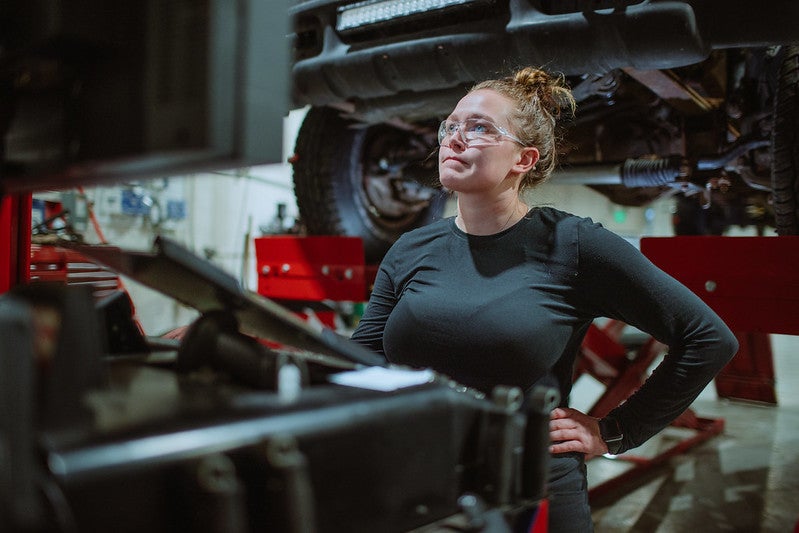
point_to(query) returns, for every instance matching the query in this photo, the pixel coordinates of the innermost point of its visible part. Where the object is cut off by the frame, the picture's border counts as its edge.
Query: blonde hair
(539, 98)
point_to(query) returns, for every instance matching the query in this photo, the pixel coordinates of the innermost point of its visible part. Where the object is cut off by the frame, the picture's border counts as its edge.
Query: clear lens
(474, 132)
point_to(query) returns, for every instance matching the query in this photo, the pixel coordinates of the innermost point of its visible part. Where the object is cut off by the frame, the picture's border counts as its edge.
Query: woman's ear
(528, 157)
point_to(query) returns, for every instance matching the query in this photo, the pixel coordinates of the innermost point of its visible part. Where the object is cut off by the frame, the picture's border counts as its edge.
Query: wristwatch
(611, 433)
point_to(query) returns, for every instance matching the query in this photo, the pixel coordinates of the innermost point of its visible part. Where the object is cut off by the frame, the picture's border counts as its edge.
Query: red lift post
(15, 239)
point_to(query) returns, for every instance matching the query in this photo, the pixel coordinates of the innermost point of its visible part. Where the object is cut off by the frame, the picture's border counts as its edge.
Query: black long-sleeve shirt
(513, 308)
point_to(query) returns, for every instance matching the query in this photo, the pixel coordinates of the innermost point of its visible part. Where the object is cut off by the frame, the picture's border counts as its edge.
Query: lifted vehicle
(692, 98)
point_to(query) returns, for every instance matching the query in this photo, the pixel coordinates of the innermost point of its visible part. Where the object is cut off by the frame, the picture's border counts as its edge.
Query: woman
(504, 294)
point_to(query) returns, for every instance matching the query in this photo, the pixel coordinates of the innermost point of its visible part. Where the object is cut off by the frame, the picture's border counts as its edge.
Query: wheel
(785, 145)
(375, 182)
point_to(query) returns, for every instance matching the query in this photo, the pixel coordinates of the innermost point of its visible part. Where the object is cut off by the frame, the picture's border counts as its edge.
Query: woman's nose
(456, 140)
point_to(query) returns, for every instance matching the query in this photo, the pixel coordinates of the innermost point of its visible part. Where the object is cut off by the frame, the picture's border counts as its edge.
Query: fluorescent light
(374, 11)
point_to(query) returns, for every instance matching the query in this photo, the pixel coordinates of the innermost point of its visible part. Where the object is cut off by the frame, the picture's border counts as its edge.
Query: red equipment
(311, 268)
(52, 263)
(753, 284)
(306, 273)
(15, 239)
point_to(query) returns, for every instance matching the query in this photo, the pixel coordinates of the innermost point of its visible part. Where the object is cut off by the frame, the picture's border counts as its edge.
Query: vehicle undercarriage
(692, 99)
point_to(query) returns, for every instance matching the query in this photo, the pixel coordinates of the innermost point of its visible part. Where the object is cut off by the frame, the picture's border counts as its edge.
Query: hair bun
(551, 91)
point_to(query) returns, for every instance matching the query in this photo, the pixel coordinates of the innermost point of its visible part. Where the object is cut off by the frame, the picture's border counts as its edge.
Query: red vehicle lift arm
(15, 239)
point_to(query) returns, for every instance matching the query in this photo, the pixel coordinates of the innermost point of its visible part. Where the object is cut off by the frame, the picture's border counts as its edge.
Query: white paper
(383, 379)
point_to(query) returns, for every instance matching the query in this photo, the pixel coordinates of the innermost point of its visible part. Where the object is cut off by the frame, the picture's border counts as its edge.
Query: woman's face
(480, 168)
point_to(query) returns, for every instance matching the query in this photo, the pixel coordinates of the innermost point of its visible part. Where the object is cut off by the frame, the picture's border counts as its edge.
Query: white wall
(221, 209)
(630, 222)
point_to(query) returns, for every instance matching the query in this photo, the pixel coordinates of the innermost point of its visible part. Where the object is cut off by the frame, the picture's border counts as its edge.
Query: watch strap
(612, 434)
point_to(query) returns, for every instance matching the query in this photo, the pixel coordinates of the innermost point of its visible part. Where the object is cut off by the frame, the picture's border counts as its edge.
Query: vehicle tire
(375, 182)
(785, 145)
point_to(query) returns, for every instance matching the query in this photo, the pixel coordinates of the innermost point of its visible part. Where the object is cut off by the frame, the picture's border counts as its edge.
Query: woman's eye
(477, 127)
(481, 127)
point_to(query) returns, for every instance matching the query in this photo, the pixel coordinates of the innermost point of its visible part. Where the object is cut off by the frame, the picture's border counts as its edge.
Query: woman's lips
(451, 158)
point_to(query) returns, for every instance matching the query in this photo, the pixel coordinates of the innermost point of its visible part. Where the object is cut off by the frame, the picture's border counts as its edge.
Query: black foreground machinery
(245, 424)
(226, 434)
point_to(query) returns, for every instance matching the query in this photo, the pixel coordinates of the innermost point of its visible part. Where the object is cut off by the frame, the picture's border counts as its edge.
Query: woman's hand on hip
(573, 431)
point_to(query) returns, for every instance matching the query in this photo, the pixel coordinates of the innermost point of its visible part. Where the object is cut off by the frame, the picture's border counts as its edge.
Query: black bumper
(390, 69)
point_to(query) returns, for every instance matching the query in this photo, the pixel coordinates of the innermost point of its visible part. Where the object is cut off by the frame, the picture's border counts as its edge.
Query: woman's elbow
(727, 345)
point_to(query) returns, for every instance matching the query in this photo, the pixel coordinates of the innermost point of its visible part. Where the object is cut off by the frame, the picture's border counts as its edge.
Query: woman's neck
(489, 218)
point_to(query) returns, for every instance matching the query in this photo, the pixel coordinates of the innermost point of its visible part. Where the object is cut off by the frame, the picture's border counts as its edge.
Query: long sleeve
(382, 300)
(620, 283)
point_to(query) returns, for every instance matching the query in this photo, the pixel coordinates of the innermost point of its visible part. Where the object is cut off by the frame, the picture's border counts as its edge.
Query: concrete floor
(745, 479)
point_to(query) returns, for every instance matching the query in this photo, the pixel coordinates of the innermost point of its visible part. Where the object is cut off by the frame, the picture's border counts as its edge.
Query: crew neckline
(483, 238)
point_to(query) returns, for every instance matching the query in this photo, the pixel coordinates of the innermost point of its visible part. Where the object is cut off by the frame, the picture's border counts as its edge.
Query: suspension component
(653, 172)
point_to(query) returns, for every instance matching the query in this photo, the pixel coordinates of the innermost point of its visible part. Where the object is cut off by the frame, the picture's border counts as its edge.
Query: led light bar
(371, 12)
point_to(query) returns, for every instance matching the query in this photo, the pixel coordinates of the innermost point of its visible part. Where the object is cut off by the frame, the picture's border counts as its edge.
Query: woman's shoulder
(558, 218)
(566, 236)
(562, 226)
(425, 233)
(418, 237)
(580, 240)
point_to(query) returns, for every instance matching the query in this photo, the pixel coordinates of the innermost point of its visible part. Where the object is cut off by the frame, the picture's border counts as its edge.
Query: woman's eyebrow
(471, 115)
